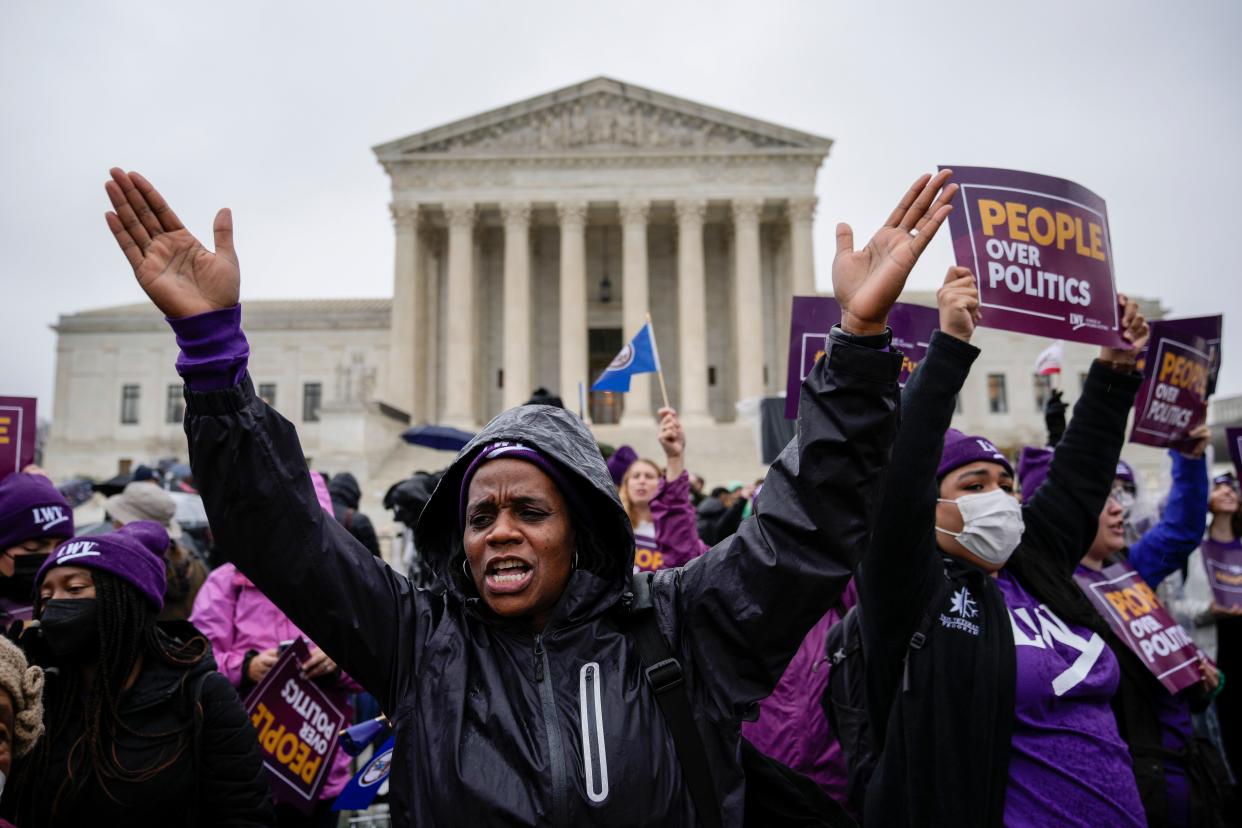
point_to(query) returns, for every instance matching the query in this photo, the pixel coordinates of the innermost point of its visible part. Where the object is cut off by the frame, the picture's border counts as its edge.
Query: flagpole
(659, 365)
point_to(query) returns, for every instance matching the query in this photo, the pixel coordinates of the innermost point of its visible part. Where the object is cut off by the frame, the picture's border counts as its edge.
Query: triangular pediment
(601, 116)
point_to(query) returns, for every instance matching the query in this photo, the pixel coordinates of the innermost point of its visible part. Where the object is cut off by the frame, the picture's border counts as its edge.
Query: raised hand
(179, 275)
(1134, 330)
(867, 282)
(673, 441)
(958, 300)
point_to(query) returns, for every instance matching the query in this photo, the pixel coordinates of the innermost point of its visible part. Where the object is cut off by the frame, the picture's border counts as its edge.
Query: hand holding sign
(1134, 330)
(958, 300)
(673, 441)
(1199, 436)
(867, 282)
(180, 276)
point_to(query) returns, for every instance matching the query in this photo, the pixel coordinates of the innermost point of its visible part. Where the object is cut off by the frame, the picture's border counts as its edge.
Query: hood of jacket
(563, 438)
(344, 487)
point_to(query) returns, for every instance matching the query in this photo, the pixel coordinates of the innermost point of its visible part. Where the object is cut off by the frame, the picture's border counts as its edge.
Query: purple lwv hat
(134, 553)
(960, 449)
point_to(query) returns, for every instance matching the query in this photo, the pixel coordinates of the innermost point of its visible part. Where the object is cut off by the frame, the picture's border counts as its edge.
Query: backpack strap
(916, 643)
(666, 680)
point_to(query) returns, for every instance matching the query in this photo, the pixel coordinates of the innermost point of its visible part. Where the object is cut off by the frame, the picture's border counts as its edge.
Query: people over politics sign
(298, 727)
(1173, 397)
(1039, 249)
(1137, 617)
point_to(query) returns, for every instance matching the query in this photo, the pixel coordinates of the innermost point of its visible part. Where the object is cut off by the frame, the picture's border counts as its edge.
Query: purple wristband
(214, 351)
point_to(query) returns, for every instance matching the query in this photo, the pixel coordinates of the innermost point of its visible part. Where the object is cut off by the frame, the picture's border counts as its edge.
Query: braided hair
(127, 632)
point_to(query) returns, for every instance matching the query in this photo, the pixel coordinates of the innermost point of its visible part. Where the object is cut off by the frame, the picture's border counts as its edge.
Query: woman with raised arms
(518, 697)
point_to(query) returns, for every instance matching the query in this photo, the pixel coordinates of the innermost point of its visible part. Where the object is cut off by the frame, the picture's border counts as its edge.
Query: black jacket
(499, 726)
(716, 521)
(218, 781)
(945, 719)
(345, 494)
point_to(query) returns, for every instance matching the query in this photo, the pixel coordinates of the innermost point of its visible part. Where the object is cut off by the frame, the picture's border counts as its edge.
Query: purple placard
(1137, 617)
(17, 434)
(1173, 397)
(913, 326)
(1223, 563)
(298, 728)
(1040, 251)
(1233, 436)
(814, 316)
(1208, 327)
(811, 319)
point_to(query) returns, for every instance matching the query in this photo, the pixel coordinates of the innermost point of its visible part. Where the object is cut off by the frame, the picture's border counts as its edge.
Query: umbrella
(439, 437)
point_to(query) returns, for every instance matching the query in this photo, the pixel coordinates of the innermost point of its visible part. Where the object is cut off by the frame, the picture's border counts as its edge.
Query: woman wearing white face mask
(989, 707)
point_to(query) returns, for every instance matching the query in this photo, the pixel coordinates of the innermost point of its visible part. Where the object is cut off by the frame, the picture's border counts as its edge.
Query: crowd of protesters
(888, 628)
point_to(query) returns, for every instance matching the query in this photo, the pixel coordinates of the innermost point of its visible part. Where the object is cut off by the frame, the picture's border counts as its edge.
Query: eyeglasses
(1123, 496)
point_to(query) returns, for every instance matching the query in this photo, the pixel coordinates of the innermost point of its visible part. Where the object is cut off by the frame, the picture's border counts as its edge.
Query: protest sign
(814, 316)
(17, 434)
(1173, 397)
(298, 728)
(1138, 618)
(1039, 248)
(1223, 562)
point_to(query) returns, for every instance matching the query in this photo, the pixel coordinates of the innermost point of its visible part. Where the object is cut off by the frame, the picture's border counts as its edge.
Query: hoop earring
(465, 569)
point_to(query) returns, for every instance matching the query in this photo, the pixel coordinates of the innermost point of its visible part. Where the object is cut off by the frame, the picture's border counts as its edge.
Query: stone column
(802, 245)
(460, 335)
(747, 299)
(692, 310)
(635, 302)
(517, 334)
(405, 368)
(573, 300)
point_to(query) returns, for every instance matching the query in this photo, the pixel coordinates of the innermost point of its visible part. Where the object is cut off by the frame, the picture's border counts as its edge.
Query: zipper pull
(539, 653)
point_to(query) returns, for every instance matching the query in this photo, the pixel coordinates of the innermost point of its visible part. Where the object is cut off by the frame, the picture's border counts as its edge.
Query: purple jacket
(676, 528)
(792, 727)
(236, 617)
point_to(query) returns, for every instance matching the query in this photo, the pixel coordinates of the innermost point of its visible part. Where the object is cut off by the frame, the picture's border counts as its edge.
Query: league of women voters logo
(49, 516)
(623, 359)
(77, 549)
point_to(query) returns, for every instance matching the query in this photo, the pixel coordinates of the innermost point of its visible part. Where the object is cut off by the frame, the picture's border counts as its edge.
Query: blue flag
(638, 357)
(363, 788)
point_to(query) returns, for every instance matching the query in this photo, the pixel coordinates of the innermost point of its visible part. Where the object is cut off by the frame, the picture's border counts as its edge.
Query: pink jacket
(236, 617)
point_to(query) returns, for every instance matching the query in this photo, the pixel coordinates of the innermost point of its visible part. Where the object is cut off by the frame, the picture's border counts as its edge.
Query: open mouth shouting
(506, 575)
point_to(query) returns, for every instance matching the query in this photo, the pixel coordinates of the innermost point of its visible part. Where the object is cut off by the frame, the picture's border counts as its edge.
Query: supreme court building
(532, 240)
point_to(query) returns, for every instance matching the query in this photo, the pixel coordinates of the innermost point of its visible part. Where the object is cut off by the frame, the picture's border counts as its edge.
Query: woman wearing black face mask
(34, 517)
(141, 729)
(989, 680)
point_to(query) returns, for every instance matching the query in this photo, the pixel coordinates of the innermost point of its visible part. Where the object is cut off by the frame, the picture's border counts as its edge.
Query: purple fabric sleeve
(214, 351)
(676, 522)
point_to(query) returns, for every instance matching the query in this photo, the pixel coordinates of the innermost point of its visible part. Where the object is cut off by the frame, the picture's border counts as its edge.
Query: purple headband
(1226, 479)
(960, 449)
(514, 451)
(1124, 472)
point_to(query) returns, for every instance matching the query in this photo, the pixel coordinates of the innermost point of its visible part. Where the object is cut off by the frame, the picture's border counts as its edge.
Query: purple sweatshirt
(1068, 765)
(1176, 732)
(792, 727)
(676, 529)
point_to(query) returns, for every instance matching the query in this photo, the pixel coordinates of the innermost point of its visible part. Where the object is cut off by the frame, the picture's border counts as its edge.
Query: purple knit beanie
(31, 507)
(133, 553)
(1033, 466)
(960, 449)
(1125, 473)
(620, 461)
(516, 451)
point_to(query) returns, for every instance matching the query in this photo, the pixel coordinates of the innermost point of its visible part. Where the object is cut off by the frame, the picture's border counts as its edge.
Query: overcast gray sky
(271, 108)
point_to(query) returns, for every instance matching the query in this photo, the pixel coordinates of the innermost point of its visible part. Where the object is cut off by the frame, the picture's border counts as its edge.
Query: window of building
(312, 396)
(267, 393)
(1043, 390)
(129, 405)
(998, 402)
(174, 405)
